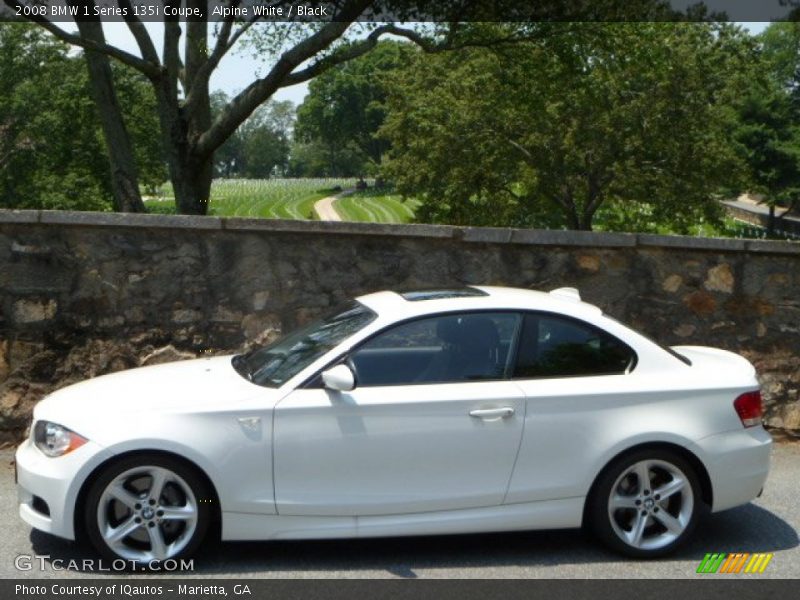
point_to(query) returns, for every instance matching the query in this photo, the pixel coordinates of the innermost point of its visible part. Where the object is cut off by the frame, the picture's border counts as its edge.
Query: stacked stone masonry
(82, 294)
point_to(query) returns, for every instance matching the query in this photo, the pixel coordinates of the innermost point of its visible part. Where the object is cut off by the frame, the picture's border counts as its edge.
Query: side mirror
(339, 378)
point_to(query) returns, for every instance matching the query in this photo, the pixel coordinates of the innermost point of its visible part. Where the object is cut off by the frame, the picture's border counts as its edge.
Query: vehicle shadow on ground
(746, 529)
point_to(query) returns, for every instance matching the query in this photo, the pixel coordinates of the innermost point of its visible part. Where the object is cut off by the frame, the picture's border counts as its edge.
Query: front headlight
(54, 439)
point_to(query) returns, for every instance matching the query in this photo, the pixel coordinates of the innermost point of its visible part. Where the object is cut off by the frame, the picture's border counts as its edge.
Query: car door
(433, 423)
(579, 385)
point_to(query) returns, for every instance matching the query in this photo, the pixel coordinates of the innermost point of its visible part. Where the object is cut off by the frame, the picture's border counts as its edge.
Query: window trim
(684, 359)
(315, 381)
(581, 322)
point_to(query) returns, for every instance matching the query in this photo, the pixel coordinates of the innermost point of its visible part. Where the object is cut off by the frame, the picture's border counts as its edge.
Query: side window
(448, 348)
(554, 346)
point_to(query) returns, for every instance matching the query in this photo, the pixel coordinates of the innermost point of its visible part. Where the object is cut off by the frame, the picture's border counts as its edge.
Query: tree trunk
(190, 172)
(124, 176)
(572, 219)
(771, 221)
(576, 220)
(192, 185)
(587, 215)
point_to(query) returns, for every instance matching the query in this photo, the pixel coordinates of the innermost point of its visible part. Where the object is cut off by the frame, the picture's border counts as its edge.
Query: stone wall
(789, 225)
(87, 293)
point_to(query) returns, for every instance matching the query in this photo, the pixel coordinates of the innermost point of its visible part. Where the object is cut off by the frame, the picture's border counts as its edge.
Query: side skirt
(548, 514)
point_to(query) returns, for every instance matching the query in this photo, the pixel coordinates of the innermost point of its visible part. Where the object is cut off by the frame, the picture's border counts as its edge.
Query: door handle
(492, 414)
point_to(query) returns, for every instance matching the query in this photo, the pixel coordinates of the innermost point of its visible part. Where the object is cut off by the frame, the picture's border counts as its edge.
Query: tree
(230, 156)
(266, 136)
(138, 107)
(780, 44)
(260, 147)
(625, 112)
(50, 154)
(768, 125)
(345, 108)
(124, 176)
(51, 148)
(770, 138)
(180, 79)
(317, 159)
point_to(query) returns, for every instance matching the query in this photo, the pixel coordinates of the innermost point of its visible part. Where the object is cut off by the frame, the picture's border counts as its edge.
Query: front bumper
(51, 485)
(737, 464)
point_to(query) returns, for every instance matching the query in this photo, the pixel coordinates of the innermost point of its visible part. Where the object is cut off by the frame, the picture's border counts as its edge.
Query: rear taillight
(748, 407)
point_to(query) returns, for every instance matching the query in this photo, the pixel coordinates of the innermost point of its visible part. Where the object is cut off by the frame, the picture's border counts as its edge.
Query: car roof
(401, 305)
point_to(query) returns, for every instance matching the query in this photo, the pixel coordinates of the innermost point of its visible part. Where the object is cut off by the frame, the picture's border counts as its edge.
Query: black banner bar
(175, 589)
(60, 11)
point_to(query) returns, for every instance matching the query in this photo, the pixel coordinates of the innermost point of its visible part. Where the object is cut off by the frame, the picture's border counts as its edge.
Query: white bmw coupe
(428, 412)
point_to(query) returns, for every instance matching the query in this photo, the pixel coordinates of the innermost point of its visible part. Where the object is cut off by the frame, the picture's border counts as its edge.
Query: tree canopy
(768, 124)
(192, 50)
(532, 123)
(345, 107)
(628, 112)
(260, 147)
(781, 53)
(51, 145)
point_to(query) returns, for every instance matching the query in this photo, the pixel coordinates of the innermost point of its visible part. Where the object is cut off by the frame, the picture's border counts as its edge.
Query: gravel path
(324, 208)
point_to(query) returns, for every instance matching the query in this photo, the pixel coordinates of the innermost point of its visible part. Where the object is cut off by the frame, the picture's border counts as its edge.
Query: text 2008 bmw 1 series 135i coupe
(429, 412)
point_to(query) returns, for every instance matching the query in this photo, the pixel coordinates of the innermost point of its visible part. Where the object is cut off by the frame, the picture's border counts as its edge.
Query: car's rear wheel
(145, 509)
(646, 503)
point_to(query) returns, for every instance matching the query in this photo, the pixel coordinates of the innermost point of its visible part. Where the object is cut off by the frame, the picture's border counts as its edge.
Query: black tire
(184, 493)
(660, 522)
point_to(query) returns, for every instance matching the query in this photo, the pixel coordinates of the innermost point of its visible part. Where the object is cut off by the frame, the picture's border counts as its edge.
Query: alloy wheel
(651, 504)
(147, 514)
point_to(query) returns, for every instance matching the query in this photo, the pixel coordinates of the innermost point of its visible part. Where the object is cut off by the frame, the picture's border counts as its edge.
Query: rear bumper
(737, 464)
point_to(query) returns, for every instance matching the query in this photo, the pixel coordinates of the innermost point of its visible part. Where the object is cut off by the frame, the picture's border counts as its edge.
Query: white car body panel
(58, 482)
(396, 449)
(404, 460)
(199, 409)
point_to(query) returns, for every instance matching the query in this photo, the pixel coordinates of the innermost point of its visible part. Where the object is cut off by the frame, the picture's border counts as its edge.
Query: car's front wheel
(646, 503)
(145, 509)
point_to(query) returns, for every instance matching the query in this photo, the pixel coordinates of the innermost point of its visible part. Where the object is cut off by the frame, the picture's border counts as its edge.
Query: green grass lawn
(269, 198)
(375, 206)
(295, 198)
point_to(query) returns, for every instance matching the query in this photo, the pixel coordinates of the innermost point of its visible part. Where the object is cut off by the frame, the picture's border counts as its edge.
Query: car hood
(200, 385)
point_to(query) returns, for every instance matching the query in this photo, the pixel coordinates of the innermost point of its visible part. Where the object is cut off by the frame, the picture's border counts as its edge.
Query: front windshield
(274, 365)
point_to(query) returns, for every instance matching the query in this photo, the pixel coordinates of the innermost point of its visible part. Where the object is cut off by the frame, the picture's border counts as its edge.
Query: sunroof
(465, 292)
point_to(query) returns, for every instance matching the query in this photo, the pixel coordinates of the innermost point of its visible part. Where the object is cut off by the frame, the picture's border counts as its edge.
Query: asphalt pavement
(769, 524)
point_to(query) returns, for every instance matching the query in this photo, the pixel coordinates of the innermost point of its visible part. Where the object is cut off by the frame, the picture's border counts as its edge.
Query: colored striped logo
(737, 562)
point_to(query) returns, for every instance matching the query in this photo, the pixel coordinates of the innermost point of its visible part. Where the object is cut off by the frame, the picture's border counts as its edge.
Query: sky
(239, 68)
(236, 71)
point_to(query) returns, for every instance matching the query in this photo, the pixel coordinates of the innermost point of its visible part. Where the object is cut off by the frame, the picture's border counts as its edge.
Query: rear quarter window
(557, 346)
